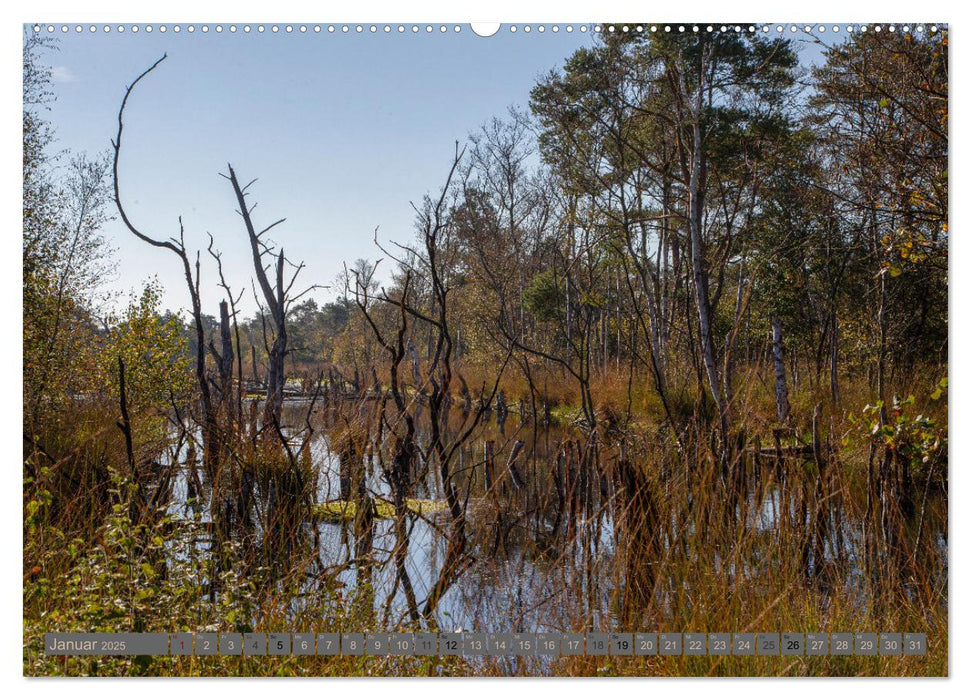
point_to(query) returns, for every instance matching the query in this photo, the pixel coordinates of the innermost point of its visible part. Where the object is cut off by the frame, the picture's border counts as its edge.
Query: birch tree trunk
(781, 387)
(699, 272)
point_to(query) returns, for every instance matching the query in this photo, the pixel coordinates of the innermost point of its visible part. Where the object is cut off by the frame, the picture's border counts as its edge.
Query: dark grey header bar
(92, 644)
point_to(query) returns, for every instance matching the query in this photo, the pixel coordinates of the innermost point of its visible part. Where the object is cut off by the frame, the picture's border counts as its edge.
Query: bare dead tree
(212, 452)
(404, 450)
(224, 359)
(233, 314)
(277, 295)
(429, 263)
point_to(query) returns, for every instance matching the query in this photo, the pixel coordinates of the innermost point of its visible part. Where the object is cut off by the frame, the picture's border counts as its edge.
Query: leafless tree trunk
(431, 267)
(781, 387)
(226, 338)
(212, 452)
(276, 295)
(699, 272)
(224, 359)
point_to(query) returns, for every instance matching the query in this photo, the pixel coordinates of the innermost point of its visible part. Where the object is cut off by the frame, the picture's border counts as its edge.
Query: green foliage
(917, 439)
(132, 577)
(545, 296)
(64, 256)
(881, 111)
(154, 350)
(314, 327)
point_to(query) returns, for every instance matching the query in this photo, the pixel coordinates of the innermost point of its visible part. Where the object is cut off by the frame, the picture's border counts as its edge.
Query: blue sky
(344, 131)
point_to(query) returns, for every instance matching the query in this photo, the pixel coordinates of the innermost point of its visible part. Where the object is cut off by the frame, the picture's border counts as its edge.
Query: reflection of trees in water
(592, 540)
(595, 540)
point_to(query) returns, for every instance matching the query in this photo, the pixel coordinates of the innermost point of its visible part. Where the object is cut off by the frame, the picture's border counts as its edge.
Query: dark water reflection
(535, 568)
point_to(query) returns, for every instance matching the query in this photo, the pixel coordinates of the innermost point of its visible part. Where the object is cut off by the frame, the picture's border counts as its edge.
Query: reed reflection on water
(567, 533)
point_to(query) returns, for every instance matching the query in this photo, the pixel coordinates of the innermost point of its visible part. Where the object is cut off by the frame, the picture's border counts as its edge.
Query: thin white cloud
(63, 74)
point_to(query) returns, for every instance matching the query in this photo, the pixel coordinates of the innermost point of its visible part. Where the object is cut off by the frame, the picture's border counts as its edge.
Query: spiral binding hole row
(456, 29)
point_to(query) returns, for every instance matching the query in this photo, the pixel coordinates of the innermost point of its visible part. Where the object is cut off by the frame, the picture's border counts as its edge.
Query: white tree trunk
(781, 387)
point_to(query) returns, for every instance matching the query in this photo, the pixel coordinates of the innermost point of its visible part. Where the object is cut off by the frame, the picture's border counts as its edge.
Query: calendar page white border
(563, 11)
